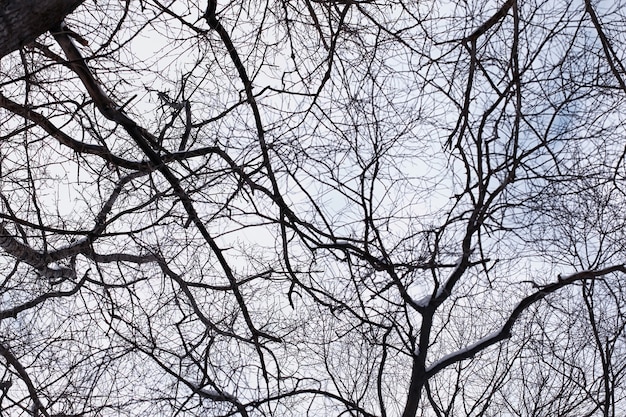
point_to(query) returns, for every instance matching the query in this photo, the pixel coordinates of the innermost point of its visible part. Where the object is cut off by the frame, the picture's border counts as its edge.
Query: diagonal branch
(522, 306)
(21, 371)
(609, 52)
(491, 22)
(37, 259)
(14, 311)
(21, 21)
(144, 139)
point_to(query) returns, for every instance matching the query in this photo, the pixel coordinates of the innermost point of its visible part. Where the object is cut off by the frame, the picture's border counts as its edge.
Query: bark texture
(21, 21)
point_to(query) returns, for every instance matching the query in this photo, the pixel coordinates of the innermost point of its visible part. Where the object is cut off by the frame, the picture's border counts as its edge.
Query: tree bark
(21, 21)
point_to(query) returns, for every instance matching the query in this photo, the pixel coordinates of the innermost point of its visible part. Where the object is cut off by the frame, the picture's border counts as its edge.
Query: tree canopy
(312, 208)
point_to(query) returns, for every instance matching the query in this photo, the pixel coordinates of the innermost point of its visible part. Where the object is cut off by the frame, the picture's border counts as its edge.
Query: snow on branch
(441, 291)
(505, 331)
(32, 257)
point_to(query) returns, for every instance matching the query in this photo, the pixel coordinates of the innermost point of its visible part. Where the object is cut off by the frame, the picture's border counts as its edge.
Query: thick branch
(522, 306)
(40, 260)
(21, 370)
(492, 21)
(21, 21)
(32, 257)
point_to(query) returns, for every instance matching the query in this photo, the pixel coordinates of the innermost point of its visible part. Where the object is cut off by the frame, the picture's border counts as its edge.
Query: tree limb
(522, 306)
(21, 21)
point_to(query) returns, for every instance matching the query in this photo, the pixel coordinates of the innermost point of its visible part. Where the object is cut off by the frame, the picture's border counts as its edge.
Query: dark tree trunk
(21, 21)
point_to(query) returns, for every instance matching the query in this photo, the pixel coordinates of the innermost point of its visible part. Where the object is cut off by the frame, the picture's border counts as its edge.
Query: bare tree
(366, 208)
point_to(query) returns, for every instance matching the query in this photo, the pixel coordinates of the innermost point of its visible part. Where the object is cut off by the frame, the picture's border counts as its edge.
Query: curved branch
(522, 306)
(609, 52)
(14, 311)
(66, 140)
(37, 259)
(32, 391)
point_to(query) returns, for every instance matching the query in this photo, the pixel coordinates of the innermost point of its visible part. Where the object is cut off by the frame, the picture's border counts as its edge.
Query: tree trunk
(21, 21)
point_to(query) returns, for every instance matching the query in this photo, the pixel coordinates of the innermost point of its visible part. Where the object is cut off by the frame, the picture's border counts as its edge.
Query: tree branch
(522, 306)
(21, 21)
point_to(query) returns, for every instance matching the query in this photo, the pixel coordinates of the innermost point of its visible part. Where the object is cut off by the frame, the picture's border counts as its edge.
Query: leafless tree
(324, 208)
